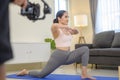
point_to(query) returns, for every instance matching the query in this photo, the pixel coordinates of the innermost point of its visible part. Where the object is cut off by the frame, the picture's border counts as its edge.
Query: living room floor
(70, 69)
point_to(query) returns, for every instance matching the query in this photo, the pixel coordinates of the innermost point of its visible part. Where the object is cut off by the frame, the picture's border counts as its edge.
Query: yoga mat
(58, 77)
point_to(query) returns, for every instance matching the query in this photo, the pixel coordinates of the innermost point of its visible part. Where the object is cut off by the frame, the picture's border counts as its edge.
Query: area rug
(58, 77)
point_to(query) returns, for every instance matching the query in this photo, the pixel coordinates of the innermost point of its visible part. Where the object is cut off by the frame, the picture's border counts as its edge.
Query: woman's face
(64, 19)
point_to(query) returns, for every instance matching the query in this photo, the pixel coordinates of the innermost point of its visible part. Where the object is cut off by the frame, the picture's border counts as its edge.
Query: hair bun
(55, 21)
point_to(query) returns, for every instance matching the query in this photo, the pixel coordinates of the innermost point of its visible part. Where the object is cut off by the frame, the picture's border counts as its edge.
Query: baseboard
(29, 66)
(109, 67)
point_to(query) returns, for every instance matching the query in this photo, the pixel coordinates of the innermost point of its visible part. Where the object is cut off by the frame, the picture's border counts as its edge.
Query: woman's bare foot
(83, 77)
(23, 72)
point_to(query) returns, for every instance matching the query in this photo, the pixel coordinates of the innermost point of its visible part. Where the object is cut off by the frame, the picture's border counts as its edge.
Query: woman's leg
(80, 54)
(57, 59)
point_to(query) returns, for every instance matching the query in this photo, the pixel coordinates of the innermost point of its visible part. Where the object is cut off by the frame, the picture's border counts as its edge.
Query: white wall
(24, 30)
(81, 7)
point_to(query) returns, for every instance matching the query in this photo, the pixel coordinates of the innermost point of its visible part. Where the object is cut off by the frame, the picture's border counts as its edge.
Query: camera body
(32, 11)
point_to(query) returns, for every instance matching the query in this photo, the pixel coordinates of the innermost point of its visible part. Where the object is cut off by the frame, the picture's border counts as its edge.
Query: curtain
(61, 5)
(93, 10)
(108, 15)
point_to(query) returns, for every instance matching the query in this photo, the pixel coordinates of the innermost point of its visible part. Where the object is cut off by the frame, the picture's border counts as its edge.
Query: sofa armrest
(80, 45)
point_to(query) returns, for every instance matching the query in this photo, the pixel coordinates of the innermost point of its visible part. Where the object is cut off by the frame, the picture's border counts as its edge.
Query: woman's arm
(73, 31)
(55, 31)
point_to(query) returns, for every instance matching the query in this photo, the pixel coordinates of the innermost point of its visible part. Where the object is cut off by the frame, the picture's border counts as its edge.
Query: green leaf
(52, 43)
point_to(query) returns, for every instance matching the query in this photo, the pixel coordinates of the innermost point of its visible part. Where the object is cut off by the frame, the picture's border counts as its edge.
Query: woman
(62, 55)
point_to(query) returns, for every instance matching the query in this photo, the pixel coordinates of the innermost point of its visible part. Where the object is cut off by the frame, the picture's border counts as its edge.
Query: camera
(32, 11)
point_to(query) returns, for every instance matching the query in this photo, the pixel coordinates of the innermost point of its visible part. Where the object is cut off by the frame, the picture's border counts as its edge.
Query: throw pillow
(103, 39)
(116, 40)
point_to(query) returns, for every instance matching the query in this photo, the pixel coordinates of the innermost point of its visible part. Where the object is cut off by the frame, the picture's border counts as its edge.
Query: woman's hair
(59, 14)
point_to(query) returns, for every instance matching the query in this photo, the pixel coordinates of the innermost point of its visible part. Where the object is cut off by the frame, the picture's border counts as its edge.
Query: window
(61, 5)
(108, 15)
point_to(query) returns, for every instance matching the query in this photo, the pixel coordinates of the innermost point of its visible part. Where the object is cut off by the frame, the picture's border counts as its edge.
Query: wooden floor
(70, 69)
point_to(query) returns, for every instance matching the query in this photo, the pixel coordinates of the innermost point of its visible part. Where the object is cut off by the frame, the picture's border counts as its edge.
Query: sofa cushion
(103, 39)
(108, 52)
(116, 40)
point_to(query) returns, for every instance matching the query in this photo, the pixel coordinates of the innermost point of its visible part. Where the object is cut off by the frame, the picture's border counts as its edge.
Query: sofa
(105, 48)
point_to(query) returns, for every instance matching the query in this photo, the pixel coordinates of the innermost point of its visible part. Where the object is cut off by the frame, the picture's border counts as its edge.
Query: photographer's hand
(22, 3)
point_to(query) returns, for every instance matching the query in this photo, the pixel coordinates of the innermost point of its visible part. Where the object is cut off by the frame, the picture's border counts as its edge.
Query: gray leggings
(60, 57)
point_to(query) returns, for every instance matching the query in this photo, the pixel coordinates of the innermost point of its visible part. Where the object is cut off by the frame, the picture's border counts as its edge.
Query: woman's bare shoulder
(55, 30)
(55, 25)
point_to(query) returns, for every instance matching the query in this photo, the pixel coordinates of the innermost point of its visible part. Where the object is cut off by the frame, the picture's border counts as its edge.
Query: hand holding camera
(22, 3)
(32, 11)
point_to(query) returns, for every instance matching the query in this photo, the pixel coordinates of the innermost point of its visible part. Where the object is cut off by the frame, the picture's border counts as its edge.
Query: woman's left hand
(73, 31)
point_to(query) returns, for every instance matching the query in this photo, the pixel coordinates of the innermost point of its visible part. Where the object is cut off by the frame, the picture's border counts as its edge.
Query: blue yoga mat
(58, 77)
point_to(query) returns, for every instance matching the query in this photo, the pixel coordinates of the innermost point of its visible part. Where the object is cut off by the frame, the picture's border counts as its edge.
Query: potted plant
(52, 43)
